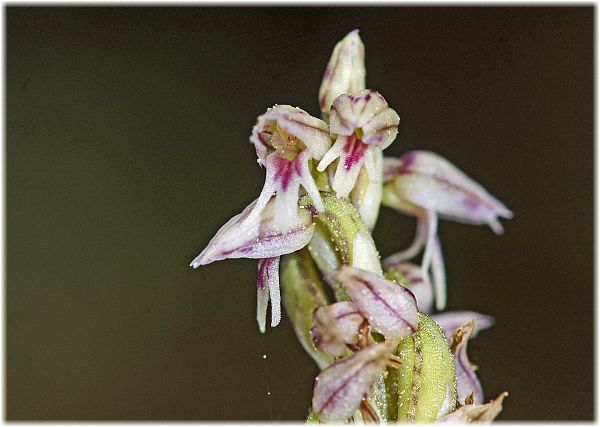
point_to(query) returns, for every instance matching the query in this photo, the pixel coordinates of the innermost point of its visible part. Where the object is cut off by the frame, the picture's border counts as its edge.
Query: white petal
(259, 237)
(390, 309)
(432, 183)
(364, 254)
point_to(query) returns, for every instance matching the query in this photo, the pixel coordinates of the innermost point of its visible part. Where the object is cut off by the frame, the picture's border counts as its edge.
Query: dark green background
(127, 148)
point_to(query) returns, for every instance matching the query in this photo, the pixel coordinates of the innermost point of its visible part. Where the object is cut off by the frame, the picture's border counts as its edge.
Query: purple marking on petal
(391, 309)
(471, 203)
(368, 97)
(355, 151)
(407, 161)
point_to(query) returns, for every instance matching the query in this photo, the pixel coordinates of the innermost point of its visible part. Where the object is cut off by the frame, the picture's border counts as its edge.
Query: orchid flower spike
(345, 72)
(247, 235)
(286, 138)
(362, 123)
(426, 185)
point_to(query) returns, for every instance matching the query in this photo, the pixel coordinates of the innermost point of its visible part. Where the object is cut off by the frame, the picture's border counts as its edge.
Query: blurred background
(127, 148)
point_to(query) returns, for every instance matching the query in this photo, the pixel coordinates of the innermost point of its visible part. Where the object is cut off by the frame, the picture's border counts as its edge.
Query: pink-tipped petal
(430, 182)
(467, 383)
(345, 72)
(450, 321)
(249, 235)
(335, 326)
(340, 388)
(389, 308)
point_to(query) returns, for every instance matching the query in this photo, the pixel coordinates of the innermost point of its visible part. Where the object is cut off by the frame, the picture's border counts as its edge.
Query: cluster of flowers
(384, 355)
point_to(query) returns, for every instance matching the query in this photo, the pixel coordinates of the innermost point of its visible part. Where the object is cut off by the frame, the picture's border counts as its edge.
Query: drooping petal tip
(257, 235)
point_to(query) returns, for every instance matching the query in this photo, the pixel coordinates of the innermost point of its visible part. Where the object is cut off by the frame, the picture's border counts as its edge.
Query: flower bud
(303, 292)
(389, 308)
(335, 326)
(345, 72)
(340, 388)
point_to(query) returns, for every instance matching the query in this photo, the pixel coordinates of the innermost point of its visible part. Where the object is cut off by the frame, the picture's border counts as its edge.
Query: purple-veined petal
(268, 288)
(249, 235)
(340, 388)
(295, 127)
(483, 414)
(430, 182)
(389, 308)
(345, 72)
(450, 321)
(467, 383)
(419, 284)
(335, 326)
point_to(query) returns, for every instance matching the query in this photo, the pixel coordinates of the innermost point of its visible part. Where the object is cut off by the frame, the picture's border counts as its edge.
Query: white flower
(362, 123)
(286, 138)
(427, 186)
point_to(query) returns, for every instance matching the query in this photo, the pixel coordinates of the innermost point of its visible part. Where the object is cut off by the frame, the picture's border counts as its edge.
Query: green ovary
(425, 384)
